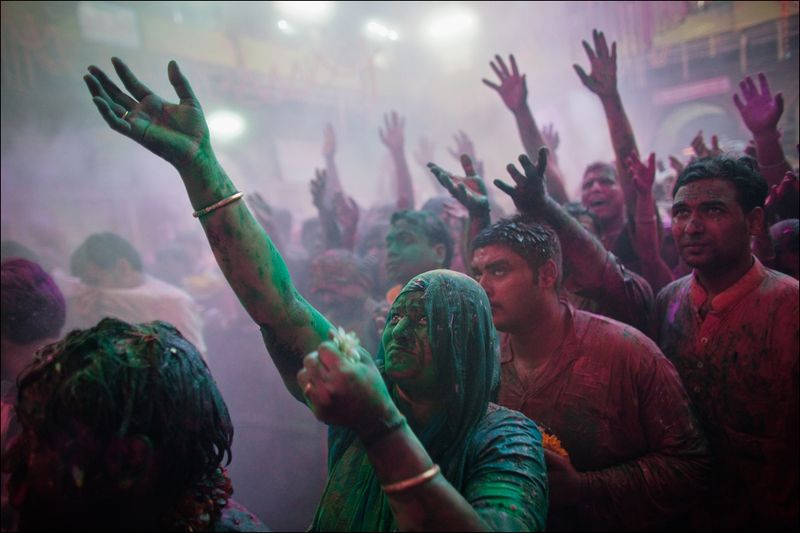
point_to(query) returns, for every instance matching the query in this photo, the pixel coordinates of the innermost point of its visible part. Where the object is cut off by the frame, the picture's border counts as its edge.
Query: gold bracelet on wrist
(222, 203)
(419, 479)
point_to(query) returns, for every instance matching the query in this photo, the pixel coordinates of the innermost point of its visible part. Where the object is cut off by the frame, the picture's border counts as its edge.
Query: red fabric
(740, 367)
(620, 411)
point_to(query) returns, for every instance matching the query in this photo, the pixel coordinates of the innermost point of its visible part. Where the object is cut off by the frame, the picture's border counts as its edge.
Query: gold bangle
(222, 203)
(427, 475)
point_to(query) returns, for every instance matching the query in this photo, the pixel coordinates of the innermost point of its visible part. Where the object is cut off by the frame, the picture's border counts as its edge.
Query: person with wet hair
(597, 280)
(414, 442)
(731, 329)
(123, 428)
(635, 458)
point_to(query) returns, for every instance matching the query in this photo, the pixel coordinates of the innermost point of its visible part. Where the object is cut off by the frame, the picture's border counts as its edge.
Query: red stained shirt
(740, 367)
(619, 409)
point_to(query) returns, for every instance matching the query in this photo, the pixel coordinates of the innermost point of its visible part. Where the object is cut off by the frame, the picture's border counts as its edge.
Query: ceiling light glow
(225, 125)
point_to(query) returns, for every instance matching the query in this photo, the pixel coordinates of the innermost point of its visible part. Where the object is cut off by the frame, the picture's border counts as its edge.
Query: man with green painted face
(417, 241)
(416, 446)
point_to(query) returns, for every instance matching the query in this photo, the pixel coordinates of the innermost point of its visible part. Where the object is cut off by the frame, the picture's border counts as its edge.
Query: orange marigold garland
(551, 442)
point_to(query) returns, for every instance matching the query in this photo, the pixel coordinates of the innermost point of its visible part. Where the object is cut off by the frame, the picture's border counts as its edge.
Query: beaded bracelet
(427, 475)
(222, 203)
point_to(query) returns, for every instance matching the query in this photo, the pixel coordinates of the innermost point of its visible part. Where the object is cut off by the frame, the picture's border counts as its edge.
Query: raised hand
(700, 148)
(603, 78)
(530, 194)
(551, 138)
(676, 165)
(424, 152)
(783, 199)
(318, 185)
(178, 133)
(392, 135)
(470, 191)
(464, 146)
(347, 213)
(344, 391)
(643, 176)
(328, 142)
(760, 111)
(513, 88)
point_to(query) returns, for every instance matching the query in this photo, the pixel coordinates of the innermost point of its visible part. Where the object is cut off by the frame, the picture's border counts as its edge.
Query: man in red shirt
(731, 329)
(637, 458)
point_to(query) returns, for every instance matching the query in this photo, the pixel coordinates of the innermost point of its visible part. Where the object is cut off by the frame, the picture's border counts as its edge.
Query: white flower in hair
(347, 343)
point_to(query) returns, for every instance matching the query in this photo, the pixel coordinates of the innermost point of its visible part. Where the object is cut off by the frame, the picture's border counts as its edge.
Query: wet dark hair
(751, 188)
(534, 242)
(104, 250)
(117, 380)
(33, 307)
(433, 228)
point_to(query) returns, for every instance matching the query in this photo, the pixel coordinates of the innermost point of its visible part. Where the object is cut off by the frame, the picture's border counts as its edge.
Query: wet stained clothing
(740, 368)
(620, 411)
(504, 479)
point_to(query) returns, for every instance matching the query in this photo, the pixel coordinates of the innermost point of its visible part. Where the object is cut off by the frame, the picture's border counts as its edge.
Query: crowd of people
(577, 365)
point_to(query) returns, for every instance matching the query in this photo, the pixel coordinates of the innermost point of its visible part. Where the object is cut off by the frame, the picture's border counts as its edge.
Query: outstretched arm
(761, 113)
(593, 271)
(470, 191)
(393, 137)
(646, 241)
(250, 262)
(513, 89)
(603, 82)
(329, 154)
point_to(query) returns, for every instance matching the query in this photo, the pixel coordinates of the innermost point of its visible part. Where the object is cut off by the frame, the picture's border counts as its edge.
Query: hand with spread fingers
(470, 191)
(760, 111)
(392, 135)
(513, 88)
(530, 194)
(344, 390)
(603, 77)
(551, 139)
(700, 148)
(177, 133)
(464, 145)
(643, 176)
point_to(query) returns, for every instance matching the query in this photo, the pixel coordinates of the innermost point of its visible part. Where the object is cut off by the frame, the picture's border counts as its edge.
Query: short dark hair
(33, 307)
(117, 380)
(534, 242)
(601, 166)
(104, 250)
(433, 228)
(751, 188)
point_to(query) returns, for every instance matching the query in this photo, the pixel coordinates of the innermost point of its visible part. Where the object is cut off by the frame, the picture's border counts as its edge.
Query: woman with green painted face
(414, 442)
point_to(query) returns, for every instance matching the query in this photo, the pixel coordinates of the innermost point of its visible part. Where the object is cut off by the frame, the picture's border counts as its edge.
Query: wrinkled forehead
(714, 189)
(410, 298)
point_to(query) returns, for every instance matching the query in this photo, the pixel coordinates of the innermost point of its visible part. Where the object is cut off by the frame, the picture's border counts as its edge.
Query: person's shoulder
(162, 289)
(677, 287)
(498, 416)
(779, 283)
